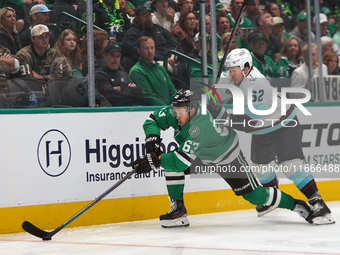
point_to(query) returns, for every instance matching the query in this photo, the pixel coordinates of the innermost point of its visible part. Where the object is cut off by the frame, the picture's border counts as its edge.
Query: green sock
(260, 196)
(175, 191)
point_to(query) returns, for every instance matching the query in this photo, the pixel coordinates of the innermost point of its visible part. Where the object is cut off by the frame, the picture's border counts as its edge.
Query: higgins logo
(54, 153)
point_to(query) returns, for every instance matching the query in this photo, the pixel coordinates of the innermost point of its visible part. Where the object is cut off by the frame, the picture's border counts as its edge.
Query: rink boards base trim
(50, 216)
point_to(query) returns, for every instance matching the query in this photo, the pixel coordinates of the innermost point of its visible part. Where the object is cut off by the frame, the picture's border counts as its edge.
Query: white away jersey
(260, 93)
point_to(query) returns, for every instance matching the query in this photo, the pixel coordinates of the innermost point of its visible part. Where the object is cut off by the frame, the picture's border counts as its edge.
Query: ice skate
(176, 217)
(304, 210)
(264, 209)
(321, 213)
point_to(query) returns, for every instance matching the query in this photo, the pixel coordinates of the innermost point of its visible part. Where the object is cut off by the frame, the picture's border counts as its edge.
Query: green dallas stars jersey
(198, 138)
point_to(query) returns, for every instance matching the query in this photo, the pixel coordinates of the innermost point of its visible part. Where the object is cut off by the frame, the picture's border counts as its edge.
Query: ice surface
(237, 232)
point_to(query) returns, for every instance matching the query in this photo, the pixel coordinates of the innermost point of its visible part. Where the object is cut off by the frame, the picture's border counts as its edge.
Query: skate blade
(179, 222)
(260, 214)
(323, 220)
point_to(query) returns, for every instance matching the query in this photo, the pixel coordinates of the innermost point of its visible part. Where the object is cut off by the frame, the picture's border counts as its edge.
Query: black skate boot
(304, 210)
(321, 213)
(176, 217)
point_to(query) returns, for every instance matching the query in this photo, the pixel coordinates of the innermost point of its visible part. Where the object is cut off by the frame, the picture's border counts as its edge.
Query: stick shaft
(30, 228)
(238, 20)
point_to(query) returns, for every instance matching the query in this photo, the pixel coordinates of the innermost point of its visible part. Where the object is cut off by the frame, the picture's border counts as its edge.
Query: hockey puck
(47, 238)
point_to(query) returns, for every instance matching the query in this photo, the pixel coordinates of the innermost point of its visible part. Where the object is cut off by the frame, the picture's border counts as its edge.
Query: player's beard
(148, 25)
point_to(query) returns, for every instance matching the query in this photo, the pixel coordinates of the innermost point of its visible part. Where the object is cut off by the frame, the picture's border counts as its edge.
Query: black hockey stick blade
(33, 230)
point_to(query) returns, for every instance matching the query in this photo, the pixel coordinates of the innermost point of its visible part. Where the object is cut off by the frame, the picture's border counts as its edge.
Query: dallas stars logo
(194, 131)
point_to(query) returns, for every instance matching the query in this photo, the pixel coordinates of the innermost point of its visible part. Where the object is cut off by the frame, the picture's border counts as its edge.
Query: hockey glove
(217, 111)
(153, 144)
(146, 163)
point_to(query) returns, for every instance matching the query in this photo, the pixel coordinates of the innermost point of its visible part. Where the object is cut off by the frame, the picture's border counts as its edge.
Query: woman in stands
(9, 37)
(331, 60)
(67, 62)
(291, 58)
(100, 42)
(224, 42)
(185, 30)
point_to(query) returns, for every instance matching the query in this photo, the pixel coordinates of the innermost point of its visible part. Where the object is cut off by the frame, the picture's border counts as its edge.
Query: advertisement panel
(69, 157)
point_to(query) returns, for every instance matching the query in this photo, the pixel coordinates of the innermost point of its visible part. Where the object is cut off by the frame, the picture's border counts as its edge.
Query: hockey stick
(33, 230)
(238, 20)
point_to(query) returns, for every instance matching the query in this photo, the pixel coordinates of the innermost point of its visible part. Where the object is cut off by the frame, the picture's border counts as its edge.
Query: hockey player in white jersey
(274, 135)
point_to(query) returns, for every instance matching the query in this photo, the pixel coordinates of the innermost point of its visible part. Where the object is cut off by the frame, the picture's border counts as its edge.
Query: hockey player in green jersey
(214, 146)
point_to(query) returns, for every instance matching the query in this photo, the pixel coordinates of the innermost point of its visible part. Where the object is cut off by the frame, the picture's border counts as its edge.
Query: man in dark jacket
(115, 85)
(143, 26)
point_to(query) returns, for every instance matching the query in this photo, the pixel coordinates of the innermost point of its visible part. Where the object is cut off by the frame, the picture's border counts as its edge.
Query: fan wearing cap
(278, 30)
(114, 84)
(143, 26)
(35, 59)
(300, 31)
(108, 16)
(39, 14)
(323, 25)
(265, 64)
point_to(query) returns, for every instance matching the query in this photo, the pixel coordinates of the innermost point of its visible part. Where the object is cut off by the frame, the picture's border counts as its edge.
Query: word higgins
(100, 151)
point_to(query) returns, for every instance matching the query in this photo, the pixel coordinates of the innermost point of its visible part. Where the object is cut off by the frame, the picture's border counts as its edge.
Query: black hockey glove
(153, 144)
(217, 111)
(146, 163)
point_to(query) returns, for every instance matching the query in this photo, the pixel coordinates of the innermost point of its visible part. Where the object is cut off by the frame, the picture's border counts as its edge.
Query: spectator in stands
(300, 74)
(274, 9)
(327, 44)
(163, 15)
(331, 60)
(116, 86)
(35, 59)
(185, 30)
(143, 26)
(39, 14)
(323, 25)
(207, 30)
(252, 11)
(265, 23)
(127, 9)
(110, 17)
(332, 6)
(222, 26)
(300, 31)
(99, 43)
(67, 61)
(184, 6)
(8, 67)
(224, 41)
(265, 64)
(235, 8)
(9, 37)
(291, 58)
(278, 31)
(151, 77)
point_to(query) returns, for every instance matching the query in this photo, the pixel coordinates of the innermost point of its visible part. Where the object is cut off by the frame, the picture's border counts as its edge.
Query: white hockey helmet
(239, 57)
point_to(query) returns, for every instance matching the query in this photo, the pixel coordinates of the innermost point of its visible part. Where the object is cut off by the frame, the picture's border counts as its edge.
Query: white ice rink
(237, 232)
